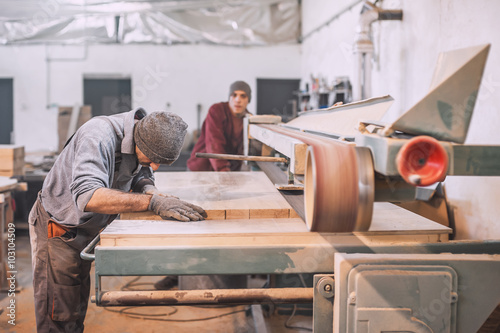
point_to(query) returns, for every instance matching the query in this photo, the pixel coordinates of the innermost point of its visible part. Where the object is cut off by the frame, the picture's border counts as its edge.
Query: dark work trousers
(61, 280)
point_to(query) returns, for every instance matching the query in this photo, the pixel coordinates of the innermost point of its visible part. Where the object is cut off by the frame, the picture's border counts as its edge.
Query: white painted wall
(180, 75)
(406, 53)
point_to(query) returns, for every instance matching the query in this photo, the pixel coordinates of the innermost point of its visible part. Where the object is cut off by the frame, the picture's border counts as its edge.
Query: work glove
(151, 190)
(168, 207)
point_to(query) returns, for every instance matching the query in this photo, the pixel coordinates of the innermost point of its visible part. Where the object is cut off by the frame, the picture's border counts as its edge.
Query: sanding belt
(336, 192)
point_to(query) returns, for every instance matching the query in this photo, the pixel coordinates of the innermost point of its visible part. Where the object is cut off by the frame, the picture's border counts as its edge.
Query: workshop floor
(142, 319)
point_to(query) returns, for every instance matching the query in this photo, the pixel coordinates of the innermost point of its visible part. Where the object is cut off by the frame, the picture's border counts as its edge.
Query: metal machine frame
(476, 265)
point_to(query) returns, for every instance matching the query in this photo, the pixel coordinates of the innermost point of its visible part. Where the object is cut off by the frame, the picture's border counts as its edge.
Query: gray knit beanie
(243, 86)
(160, 136)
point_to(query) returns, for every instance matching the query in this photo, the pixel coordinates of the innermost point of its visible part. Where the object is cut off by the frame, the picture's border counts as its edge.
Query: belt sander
(347, 158)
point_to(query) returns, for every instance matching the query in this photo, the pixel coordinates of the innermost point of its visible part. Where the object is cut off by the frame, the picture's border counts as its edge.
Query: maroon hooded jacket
(221, 133)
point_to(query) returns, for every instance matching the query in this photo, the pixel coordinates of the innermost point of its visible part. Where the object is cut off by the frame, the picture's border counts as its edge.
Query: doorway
(6, 110)
(276, 96)
(107, 96)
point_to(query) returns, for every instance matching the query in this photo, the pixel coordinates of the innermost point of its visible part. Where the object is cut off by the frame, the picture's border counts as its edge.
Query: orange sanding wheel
(422, 161)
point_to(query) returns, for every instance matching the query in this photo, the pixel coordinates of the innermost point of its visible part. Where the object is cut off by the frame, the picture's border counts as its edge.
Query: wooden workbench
(245, 246)
(246, 208)
(223, 195)
(390, 224)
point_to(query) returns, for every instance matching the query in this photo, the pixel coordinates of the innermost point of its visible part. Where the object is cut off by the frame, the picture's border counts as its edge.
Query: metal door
(276, 96)
(107, 96)
(6, 110)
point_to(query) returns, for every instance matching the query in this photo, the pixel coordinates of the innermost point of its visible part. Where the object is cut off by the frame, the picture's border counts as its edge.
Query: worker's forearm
(108, 201)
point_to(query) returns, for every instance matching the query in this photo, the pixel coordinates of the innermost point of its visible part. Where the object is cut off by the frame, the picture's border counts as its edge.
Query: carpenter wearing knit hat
(243, 86)
(160, 136)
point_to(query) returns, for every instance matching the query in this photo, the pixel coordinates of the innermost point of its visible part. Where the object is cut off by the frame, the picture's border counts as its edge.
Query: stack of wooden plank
(11, 160)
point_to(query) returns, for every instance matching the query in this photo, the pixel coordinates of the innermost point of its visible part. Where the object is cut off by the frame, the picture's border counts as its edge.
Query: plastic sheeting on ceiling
(230, 22)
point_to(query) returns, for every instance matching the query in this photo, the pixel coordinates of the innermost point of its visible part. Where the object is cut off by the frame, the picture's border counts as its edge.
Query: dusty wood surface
(223, 195)
(390, 224)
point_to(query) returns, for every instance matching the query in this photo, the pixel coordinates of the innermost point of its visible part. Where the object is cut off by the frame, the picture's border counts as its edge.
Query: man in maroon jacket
(222, 131)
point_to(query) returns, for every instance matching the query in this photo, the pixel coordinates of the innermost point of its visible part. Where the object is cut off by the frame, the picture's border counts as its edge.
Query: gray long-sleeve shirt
(100, 154)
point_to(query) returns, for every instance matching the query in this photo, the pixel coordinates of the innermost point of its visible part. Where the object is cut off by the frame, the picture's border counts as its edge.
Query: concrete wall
(163, 77)
(405, 56)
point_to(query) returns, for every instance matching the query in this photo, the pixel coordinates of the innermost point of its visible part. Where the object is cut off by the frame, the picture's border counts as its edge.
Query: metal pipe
(207, 296)
(85, 254)
(242, 157)
(363, 47)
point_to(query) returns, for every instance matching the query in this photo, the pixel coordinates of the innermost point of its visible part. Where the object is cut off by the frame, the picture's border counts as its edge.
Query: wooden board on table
(391, 224)
(223, 195)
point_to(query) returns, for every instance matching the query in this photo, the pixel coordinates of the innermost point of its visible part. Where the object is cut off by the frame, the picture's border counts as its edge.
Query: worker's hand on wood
(151, 189)
(176, 209)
